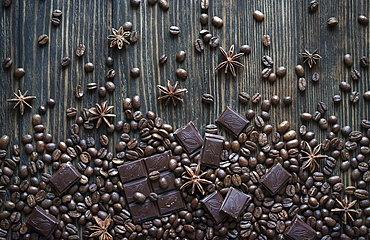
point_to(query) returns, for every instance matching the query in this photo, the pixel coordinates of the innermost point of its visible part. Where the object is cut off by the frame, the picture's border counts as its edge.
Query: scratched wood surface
(289, 23)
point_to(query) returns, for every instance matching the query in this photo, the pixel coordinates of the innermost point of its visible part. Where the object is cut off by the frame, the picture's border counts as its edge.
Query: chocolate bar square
(158, 162)
(232, 121)
(213, 203)
(170, 177)
(275, 178)
(299, 230)
(64, 178)
(234, 203)
(170, 202)
(212, 150)
(189, 138)
(130, 188)
(145, 211)
(132, 170)
(42, 222)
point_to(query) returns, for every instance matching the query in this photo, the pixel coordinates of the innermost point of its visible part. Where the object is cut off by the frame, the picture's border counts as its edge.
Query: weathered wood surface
(289, 23)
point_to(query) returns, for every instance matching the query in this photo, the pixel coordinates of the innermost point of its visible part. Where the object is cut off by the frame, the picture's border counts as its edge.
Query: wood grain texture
(289, 23)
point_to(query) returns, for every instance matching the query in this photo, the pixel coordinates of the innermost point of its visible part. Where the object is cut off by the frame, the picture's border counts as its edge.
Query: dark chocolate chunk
(132, 170)
(213, 204)
(64, 178)
(189, 138)
(299, 230)
(212, 150)
(234, 203)
(145, 211)
(275, 178)
(170, 178)
(232, 121)
(170, 202)
(158, 162)
(42, 222)
(130, 188)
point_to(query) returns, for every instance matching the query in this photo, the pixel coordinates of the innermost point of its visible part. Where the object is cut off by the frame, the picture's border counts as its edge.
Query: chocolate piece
(299, 230)
(234, 203)
(42, 222)
(144, 211)
(275, 178)
(170, 177)
(232, 121)
(158, 162)
(130, 188)
(132, 171)
(64, 178)
(189, 138)
(213, 204)
(212, 150)
(170, 202)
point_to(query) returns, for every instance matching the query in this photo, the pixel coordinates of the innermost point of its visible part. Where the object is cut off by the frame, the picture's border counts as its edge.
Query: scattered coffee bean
(111, 74)
(181, 74)
(89, 67)
(204, 18)
(266, 40)
(302, 84)
(287, 100)
(348, 60)
(275, 100)
(135, 3)
(65, 61)
(281, 71)
(71, 112)
(180, 56)
(345, 86)
(55, 21)
(246, 49)
(362, 19)
(50, 102)
(91, 86)
(299, 70)
(109, 61)
(204, 4)
(57, 13)
(199, 45)
(7, 63)
(163, 4)
(19, 72)
(366, 96)
(272, 78)
(244, 97)
(332, 22)
(43, 39)
(354, 97)
(256, 98)
(355, 75)
(217, 21)
(207, 98)
(80, 51)
(337, 98)
(214, 42)
(7, 3)
(163, 59)
(305, 117)
(258, 16)
(364, 62)
(135, 72)
(266, 72)
(102, 92)
(174, 30)
(313, 5)
(267, 61)
(315, 77)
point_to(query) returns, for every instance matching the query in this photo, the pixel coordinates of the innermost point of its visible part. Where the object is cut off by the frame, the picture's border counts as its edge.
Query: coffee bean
(366, 96)
(7, 3)
(258, 16)
(332, 22)
(71, 112)
(322, 107)
(7, 63)
(214, 42)
(55, 21)
(207, 98)
(272, 78)
(355, 75)
(281, 71)
(43, 39)
(135, 72)
(4, 142)
(345, 86)
(287, 100)
(302, 84)
(267, 61)
(204, 18)
(163, 59)
(135, 3)
(57, 13)
(362, 19)
(139, 197)
(313, 5)
(80, 51)
(244, 97)
(163, 4)
(109, 61)
(204, 4)
(217, 21)
(127, 26)
(364, 62)
(174, 30)
(299, 70)
(266, 40)
(337, 98)
(259, 121)
(348, 60)
(180, 56)
(89, 67)
(315, 77)
(305, 117)
(65, 61)
(246, 49)
(91, 86)
(181, 74)
(354, 97)
(256, 98)
(266, 72)
(19, 72)
(199, 45)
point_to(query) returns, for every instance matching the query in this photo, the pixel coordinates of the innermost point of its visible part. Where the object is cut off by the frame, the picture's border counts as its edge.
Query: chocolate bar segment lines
(232, 121)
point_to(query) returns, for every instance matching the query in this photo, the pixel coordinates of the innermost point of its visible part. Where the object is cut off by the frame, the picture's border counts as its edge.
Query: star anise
(310, 57)
(22, 100)
(229, 60)
(345, 207)
(311, 157)
(171, 93)
(101, 112)
(101, 230)
(119, 37)
(195, 179)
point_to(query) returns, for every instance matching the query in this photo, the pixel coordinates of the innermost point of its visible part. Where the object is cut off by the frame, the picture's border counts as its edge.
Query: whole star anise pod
(171, 93)
(345, 208)
(195, 179)
(101, 112)
(229, 60)
(101, 230)
(22, 100)
(119, 37)
(310, 57)
(311, 157)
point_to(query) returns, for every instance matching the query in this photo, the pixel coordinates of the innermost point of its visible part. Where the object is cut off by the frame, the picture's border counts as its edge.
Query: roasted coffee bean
(7, 3)
(281, 71)
(214, 42)
(299, 70)
(354, 97)
(80, 51)
(163, 4)
(91, 86)
(207, 98)
(332, 22)
(302, 84)
(4, 142)
(19, 72)
(79, 92)
(345, 86)
(181, 74)
(65, 61)
(135, 72)
(363, 20)
(7, 63)
(139, 197)
(355, 75)
(272, 78)
(246, 49)
(364, 62)
(203, 32)
(109, 61)
(43, 39)
(199, 45)
(162, 59)
(258, 16)
(55, 21)
(204, 18)
(71, 112)
(266, 72)
(337, 98)
(313, 5)
(89, 67)
(204, 4)
(217, 21)
(180, 56)
(259, 121)
(135, 3)
(266, 40)
(365, 124)
(287, 100)
(243, 97)
(267, 61)
(256, 98)
(315, 77)
(174, 30)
